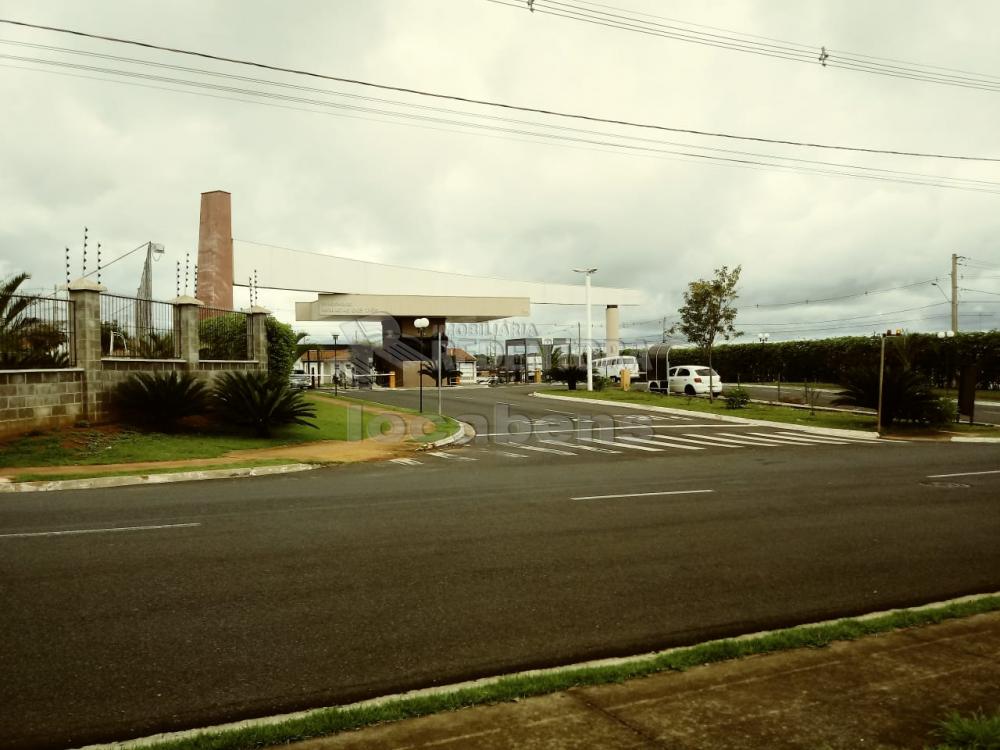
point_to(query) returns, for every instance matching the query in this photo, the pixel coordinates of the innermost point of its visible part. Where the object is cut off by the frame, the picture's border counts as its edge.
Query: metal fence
(224, 335)
(138, 328)
(35, 333)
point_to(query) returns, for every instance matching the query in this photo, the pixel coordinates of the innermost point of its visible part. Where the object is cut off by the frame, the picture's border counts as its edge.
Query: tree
(555, 359)
(708, 312)
(281, 348)
(26, 341)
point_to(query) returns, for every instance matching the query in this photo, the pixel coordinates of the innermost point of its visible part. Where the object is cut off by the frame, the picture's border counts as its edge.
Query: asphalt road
(189, 604)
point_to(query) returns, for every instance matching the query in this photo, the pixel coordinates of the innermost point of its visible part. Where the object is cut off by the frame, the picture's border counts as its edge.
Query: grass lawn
(89, 446)
(443, 426)
(792, 386)
(838, 420)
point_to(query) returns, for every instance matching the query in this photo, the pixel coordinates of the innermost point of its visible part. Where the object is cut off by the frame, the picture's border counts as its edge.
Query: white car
(689, 379)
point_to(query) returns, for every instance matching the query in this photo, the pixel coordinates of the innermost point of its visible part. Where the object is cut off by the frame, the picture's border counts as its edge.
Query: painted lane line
(695, 441)
(718, 440)
(508, 454)
(578, 446)
(620, 445)
(451, 456)
(642, 494)
(405, 461)
(842, 440)
(539, 449)
(798, 440)
(662, 442)
(963, 474)
(100, 531)
(750, 440)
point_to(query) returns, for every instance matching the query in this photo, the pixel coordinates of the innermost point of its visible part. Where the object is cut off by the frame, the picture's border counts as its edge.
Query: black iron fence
(224, 335)
(138, 328)
(35, 333)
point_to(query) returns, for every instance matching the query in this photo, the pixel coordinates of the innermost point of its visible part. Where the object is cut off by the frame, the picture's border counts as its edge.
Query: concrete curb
(154, 740)
(960, 439)
(125, 480)
(828, 431)
(460, 437)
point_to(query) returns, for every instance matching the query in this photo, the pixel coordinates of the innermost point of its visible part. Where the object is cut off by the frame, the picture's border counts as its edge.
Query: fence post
(186, 325)
(86, 296)
(258, 336)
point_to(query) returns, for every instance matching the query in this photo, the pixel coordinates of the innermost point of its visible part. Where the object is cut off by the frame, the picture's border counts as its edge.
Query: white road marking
(750, 440)
(593, 429)
(539, 449)
(696, 441)
(642, 494)
(452, 456)
(100, 531)
(621, 445)
(842, 440)
(511, 455)
(405, 461)
(577, 446)
(809, 439)
(659, 442)
(963, 474)
(718, 440)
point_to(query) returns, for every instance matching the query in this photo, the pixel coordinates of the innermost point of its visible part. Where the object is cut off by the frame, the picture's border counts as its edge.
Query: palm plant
(161, 399)
(14, 324)
(261, 402)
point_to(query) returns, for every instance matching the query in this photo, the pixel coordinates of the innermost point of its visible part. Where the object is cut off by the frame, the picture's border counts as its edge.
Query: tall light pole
(588, 272)
(420, 324)
(336, 367)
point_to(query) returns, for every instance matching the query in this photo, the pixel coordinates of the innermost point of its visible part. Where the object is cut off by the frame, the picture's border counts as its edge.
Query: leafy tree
(224, 337)
(255, 400)
(282, 341)
(160, 399)
(708, 312)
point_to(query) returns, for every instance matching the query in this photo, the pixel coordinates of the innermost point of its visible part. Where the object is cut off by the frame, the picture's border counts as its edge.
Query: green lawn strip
(443, 426)
(332, 720)
(795, 386)
(977, 731)
(980, 395)
(334, 421)
(838, 420)
(250, 463)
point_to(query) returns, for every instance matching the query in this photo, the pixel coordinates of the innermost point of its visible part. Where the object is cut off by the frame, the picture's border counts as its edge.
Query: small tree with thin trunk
(708, 312)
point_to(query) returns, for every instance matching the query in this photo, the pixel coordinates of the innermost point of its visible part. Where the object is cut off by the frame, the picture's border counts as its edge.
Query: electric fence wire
(484, 102)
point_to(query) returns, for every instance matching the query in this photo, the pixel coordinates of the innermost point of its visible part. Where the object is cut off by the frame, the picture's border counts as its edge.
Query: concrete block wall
(39, 399)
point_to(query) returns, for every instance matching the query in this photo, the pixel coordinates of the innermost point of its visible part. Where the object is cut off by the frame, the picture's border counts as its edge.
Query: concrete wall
(47, 399)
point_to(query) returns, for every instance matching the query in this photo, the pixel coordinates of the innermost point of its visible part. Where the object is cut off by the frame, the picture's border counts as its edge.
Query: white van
(611, 367)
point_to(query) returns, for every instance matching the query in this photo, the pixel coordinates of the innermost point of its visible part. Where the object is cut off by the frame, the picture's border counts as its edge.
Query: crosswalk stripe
(621, 445)
(750, 440)
(577, 446)
(803, 440)
(452, 456)
(658, 442)
(511, 455)
(695, 441)
(405, 461)
(818, 438)
(718, 440)
(543, 450)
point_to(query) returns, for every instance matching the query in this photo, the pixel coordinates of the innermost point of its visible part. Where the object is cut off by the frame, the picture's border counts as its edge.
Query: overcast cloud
(130, 162)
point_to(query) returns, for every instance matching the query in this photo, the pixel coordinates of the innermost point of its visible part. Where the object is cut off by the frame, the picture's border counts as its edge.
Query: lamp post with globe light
(421, 324)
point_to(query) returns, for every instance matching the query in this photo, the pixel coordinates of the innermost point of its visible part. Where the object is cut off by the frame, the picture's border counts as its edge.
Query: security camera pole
(588, 272)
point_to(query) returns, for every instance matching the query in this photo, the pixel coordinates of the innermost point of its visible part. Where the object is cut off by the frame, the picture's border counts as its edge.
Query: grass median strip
(333, 720)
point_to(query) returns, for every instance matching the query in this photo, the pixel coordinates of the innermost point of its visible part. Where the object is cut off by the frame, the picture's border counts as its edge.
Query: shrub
(160, 399)
(260, 402)
(281, 348)
(737, 398)
(601, 382)
(570, 374)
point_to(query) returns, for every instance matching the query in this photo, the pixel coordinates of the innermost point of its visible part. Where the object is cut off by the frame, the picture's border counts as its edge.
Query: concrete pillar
(612, 332)
(215, 250)
(186, 321)
(258, 336)
(86, 297)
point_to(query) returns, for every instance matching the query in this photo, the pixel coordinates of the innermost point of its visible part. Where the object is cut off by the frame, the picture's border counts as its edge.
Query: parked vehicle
(691, 380)
(299, 379)
(611, 367)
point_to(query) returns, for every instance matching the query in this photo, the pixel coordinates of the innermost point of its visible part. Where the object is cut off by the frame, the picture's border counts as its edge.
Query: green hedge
(826, 360)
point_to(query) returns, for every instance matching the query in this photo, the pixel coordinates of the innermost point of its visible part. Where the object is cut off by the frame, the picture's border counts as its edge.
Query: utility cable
(484, 102)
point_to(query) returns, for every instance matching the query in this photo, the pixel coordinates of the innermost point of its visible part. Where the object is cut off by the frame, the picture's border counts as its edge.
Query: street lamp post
(588, 272)
(420, 324)
(336, 367)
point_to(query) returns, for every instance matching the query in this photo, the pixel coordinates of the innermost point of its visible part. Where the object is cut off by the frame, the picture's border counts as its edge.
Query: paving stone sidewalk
(884, 691)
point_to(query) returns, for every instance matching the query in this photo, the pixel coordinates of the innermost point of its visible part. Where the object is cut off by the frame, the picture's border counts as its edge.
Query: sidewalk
(886, 691)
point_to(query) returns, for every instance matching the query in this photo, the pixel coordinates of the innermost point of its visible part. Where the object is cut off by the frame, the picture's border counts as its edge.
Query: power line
(737, 41)
(484, 102)
(798, 166)
(838, 320)
(866, 293)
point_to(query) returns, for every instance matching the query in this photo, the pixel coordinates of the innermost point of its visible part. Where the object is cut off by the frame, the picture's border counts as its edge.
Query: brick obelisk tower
(215, 250)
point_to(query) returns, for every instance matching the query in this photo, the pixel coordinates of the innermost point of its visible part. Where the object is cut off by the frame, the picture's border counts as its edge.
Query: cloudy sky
(128, 156)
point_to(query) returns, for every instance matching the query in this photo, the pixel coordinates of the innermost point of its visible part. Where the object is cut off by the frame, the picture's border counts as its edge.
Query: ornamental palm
(261, 402)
